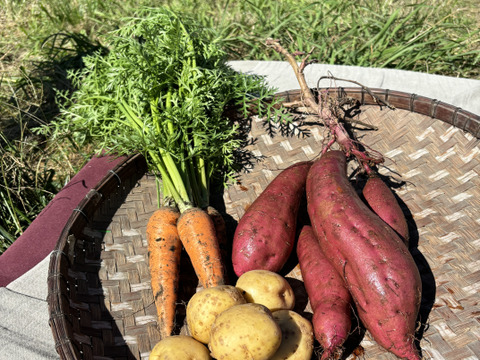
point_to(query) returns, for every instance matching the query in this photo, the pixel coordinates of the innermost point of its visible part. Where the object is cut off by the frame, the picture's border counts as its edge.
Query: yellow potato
(267, 288)
(297, 336)
(205, 305)
(179, 347)
(246, 331)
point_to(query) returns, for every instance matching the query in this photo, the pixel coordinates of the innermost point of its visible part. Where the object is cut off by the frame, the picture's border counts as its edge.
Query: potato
(297, 336)
(246, 331)
(179, 347)
(267, 288)
(205, 305)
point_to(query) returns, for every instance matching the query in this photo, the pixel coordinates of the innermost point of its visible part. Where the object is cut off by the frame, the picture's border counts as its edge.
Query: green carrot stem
(189, 183)
(203, 183)
(179, 198)
(165, 163)
(168, 106)
(190, 168)
(178, 182)
(155, 114)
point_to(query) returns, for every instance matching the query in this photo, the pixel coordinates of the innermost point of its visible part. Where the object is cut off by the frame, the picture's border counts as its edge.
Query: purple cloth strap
(41, 237)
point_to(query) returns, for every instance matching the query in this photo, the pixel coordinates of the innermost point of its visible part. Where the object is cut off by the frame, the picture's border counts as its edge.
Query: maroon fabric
(40, 238)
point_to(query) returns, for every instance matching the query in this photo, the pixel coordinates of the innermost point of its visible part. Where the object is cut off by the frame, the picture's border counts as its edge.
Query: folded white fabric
(24, 330)
(25, 333)
(459, 92)
(34, 282)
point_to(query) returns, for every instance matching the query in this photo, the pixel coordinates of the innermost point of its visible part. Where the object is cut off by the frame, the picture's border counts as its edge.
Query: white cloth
(460, 92)
(24, 329)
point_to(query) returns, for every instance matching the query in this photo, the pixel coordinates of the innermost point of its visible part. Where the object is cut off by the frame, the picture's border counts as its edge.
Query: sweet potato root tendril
(324, 109)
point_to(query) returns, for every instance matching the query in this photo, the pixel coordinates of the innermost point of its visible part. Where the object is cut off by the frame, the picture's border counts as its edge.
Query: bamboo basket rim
(454, 115)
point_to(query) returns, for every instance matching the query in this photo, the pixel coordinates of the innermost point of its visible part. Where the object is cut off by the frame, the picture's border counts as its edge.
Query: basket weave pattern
(100, 299)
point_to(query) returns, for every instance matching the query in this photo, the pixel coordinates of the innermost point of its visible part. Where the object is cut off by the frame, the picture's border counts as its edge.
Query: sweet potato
(329, 297)
(376, 265)
(265, 235)
(382, 201)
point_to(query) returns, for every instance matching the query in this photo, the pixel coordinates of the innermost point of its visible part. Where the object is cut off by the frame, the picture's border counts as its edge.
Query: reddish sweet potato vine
(325, 109)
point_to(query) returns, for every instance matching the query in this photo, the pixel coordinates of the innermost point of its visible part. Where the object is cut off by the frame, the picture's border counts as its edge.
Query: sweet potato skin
(376, 265)
(329, 297)
(382, 201)
(265, 235)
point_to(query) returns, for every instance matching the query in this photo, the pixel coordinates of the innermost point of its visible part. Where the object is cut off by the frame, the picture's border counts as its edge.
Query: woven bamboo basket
(99, 295)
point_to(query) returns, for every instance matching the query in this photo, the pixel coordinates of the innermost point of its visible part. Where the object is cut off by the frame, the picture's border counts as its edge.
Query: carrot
(164, 252)
(220, 230)
(197, 234)
(223, 241)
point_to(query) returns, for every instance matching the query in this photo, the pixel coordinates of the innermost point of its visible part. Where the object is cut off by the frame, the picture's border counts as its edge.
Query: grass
(40, 41)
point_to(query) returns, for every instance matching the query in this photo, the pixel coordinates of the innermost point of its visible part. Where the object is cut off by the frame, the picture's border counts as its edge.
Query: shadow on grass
(32, 181)
(35, 94)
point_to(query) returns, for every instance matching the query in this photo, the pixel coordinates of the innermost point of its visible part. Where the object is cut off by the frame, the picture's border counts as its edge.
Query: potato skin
(204, 306)
(179, 347)
(246, 331)
(297, 336)
(329, 297)
(267, 288)
(378, 269)
(265, 235)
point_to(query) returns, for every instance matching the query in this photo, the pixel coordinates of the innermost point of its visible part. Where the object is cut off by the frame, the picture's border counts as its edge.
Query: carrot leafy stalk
(164, 90)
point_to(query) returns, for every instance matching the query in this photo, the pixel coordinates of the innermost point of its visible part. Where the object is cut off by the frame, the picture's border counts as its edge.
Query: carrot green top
(163, 90)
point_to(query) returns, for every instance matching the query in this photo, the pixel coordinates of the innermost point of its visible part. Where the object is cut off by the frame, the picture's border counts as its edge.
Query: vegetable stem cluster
(163, 90)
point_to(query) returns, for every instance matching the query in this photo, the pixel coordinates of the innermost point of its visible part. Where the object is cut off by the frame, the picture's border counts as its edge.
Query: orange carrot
(220, 230)
(164, 251)
(197, 234)
(223, 241)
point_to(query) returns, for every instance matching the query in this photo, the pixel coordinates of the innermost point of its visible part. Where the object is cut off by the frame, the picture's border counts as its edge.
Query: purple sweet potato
(376, 265)
(329, 297)
(382, 201)
(265, 235)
